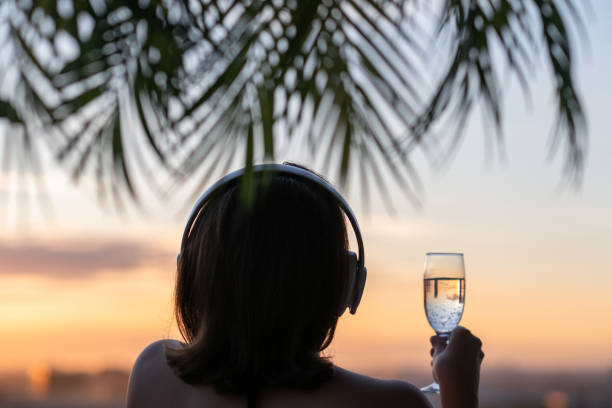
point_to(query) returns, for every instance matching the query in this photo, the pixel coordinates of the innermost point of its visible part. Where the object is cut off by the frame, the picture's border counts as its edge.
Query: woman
(260, 285)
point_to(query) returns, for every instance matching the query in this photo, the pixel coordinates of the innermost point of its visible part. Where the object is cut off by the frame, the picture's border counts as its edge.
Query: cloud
(82, 259)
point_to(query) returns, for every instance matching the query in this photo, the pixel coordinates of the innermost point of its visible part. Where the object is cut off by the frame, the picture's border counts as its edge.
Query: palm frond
(516, 27)
(200, 81)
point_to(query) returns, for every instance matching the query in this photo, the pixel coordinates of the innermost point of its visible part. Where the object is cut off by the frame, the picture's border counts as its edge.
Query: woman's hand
(456, 367)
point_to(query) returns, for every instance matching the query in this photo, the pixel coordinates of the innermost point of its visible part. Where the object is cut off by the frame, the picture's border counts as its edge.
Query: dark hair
(258, 291)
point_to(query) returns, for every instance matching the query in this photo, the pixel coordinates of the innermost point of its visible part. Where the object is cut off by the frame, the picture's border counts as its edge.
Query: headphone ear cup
(359, 287)
(350, 287)
(178, 259)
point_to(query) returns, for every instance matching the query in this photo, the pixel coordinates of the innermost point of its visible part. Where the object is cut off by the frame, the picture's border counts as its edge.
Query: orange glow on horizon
(39, 375)
(106, 319)
(119, 315)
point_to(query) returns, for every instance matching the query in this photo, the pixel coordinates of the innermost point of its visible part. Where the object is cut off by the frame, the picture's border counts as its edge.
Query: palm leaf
(472, 73)
(198, 82)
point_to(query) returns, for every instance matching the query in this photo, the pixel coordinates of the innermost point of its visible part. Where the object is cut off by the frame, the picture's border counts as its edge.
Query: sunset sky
(88, 289)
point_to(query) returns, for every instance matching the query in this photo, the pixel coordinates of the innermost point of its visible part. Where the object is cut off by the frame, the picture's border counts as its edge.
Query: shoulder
(374, 391)
(151, 377)
(152, 360)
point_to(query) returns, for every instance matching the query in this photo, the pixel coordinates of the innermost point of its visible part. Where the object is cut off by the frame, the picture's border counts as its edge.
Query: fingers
(462, 342)
(438, 340)
(461, 360)
(460, 333)
(439, 344)
(462, 337)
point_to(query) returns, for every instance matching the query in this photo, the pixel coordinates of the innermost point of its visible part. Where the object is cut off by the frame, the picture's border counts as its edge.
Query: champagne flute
(443, 295)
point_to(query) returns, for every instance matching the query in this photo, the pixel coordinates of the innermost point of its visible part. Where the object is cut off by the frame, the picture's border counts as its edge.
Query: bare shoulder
(374, 391)
(151, 377)
(151, 362)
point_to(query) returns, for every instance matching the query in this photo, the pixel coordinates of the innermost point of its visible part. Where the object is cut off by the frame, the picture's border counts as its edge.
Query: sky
(88, 289)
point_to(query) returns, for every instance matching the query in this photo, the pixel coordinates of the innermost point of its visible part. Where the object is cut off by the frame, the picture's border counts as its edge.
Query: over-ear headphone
(357, 271)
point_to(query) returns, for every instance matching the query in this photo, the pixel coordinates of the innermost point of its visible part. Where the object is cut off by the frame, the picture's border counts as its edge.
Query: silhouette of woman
(259, 290)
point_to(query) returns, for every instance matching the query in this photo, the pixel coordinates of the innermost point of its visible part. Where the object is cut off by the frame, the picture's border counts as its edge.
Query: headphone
(357, 271)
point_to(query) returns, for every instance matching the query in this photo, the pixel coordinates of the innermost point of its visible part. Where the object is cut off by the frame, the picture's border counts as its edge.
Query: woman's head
(258, 290)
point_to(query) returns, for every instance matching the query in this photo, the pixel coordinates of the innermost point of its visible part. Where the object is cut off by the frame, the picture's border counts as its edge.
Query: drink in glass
(443, 295)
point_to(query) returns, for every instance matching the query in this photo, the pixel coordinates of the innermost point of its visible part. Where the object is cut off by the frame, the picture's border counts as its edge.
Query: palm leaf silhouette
(204, 82)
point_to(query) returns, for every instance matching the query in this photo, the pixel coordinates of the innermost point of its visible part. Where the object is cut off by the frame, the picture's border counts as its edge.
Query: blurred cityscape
(41, 387)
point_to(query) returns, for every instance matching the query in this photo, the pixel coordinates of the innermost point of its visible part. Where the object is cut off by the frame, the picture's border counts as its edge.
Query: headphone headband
(280, 169)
